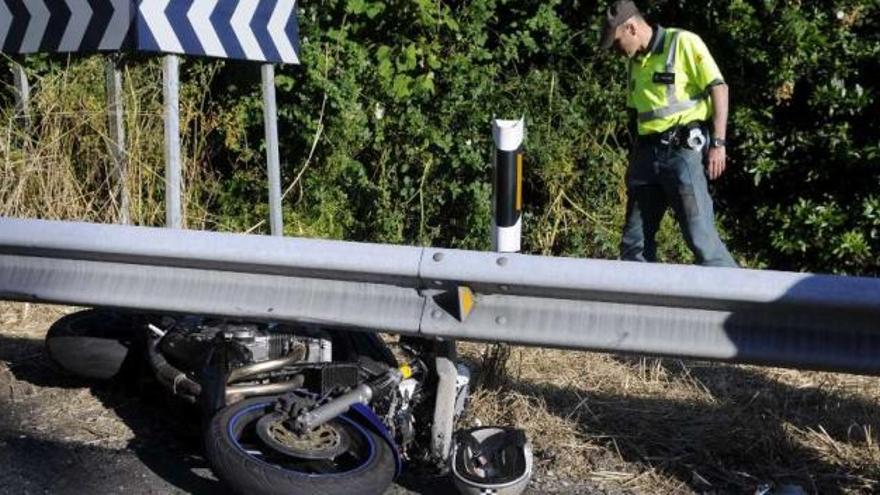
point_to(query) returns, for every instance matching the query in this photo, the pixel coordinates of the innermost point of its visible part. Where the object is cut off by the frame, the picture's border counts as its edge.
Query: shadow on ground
(166, 436)
(740, 437)
(165, 455)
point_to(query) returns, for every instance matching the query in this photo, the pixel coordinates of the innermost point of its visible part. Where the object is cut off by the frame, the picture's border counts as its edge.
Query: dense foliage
(386, 126)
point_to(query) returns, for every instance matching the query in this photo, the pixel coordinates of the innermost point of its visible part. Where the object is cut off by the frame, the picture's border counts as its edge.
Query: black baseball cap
(616, 14)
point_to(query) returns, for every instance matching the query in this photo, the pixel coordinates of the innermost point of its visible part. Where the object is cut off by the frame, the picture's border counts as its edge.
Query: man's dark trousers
(662, 176)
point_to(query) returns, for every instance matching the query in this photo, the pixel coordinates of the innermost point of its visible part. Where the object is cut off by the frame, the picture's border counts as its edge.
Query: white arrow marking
(36, 27)
(118, 27)
(5, 22)
(80, 14)
(153, 12)
(283, 10)
(199, 16)
(240, 21)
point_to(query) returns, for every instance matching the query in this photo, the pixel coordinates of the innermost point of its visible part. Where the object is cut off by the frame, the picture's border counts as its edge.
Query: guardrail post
(444, 408)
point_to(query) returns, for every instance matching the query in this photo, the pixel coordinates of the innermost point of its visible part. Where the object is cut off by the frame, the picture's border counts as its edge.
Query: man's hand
(717, 162)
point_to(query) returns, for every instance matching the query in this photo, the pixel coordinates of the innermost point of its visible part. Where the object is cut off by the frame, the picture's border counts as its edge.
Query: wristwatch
(717, 142)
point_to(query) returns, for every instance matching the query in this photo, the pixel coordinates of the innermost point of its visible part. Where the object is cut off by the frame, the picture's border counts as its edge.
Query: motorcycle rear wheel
(91, 344)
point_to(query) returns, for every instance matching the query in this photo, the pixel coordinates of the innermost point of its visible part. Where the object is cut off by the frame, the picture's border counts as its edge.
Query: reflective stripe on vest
(673, 105)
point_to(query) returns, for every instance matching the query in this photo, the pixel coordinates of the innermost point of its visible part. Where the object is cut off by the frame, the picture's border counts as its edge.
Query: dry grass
(670, 426)
(56, 161)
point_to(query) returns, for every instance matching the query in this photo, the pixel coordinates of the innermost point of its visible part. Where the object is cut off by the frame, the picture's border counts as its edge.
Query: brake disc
(324, 442)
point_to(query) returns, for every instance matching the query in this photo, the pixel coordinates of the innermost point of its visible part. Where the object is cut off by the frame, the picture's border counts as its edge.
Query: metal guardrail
(763, 317)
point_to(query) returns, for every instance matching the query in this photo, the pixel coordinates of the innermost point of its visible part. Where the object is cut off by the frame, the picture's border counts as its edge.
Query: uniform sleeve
(698, 62)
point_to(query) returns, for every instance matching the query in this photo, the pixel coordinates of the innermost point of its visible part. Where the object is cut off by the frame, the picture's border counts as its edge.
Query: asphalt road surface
(30, 465)
(60, 435)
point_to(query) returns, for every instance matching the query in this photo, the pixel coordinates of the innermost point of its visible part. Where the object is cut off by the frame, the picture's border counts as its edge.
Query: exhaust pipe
(237, 393)
(240, 374)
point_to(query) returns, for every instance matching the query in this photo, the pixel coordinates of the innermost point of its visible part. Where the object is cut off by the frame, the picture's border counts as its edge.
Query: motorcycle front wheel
(252, 450)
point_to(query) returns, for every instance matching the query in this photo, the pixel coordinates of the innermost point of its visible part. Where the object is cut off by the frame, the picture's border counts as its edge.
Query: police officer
(678, 110)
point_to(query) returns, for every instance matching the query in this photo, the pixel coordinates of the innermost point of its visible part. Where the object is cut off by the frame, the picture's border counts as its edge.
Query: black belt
(674, 136)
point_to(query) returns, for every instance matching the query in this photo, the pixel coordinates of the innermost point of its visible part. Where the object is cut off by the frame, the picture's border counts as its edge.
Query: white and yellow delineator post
(507, 215)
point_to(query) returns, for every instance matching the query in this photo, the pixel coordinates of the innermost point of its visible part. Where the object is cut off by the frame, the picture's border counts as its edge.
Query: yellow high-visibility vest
(669, 85)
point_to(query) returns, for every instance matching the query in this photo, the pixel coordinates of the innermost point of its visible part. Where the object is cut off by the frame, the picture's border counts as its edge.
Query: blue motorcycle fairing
(368, 419)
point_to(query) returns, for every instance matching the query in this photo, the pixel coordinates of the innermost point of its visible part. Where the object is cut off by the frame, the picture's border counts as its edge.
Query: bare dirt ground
(599, 424)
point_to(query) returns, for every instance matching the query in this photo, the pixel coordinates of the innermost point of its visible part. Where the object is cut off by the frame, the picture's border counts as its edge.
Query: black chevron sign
(260, 30)
(264, 30)
(30, 26)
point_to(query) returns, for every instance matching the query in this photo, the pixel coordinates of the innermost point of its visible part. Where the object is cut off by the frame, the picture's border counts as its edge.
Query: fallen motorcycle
(293, 409)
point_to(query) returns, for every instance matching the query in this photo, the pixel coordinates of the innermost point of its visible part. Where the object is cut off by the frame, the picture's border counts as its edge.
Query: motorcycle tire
(91, 344)
(250, 466)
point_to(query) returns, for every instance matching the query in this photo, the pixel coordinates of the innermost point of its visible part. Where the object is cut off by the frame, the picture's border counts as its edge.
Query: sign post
(265, 31)
(273, 166)
(256, 30)
(170, 92)
(113, 72)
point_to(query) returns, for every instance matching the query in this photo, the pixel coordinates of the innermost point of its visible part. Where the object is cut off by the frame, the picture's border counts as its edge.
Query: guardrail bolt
(501, 320)
(502, 261)
(438, 257)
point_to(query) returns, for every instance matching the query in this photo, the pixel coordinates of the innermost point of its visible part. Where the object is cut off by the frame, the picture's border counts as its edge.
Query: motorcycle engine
(189, 341)
(275, 341)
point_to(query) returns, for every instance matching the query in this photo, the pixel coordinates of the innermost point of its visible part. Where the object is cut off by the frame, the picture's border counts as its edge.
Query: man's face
(625, 40)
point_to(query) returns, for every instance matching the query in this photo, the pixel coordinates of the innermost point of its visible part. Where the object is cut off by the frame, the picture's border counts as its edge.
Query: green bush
(386, 137)
(411, 88)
